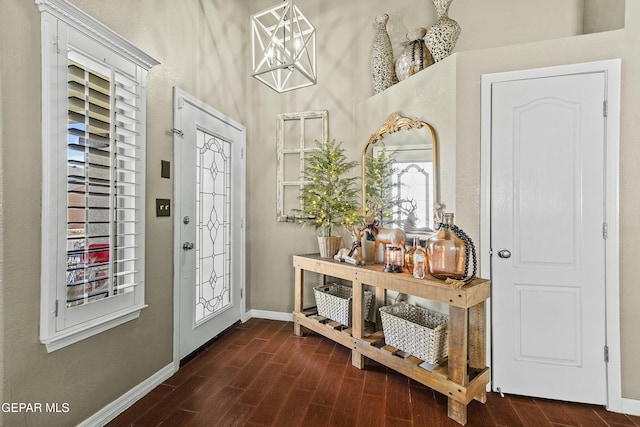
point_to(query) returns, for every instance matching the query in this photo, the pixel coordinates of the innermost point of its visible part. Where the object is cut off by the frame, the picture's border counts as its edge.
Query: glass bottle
(419, 262)
(446, 252)
(408, 255)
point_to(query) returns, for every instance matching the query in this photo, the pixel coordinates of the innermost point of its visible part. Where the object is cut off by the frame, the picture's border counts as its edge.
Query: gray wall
(603, 15)
(203, 47)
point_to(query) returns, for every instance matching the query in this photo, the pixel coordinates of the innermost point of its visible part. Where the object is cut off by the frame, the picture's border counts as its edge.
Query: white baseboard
(625, 406)
(631, 407)
(271, 315)
(115, 408)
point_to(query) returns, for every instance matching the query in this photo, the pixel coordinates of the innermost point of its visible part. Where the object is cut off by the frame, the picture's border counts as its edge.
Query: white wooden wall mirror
(410, 193)
(296, 134)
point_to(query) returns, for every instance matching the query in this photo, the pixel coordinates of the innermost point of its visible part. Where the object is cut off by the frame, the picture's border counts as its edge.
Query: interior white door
(209, 240)
(548, 248)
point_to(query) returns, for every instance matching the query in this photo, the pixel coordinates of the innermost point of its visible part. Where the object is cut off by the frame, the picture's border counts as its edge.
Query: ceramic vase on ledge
(415, 56)
(443, 35)
(383, 72)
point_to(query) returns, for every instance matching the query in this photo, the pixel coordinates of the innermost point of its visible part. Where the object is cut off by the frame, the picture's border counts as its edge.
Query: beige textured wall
(603, 15)
(630, 201)
(492, 23)
(201, 46)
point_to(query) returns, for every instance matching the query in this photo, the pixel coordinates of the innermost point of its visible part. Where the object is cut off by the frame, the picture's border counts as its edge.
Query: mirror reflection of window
(412, 184)
(412, 180)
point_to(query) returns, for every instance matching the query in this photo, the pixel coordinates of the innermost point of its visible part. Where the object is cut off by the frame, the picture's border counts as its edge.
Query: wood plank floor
(260, 374)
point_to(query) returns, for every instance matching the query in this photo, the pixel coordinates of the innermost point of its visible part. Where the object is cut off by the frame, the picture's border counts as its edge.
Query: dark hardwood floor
(260, 374)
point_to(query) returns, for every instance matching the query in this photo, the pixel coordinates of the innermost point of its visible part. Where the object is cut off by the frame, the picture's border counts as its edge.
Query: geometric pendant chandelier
(284, 48)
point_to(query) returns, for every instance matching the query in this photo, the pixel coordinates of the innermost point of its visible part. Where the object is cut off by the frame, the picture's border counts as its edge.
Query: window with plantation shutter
(93, 176)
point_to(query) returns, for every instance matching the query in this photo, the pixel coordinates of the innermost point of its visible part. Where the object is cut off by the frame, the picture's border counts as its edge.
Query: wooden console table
(462, 377)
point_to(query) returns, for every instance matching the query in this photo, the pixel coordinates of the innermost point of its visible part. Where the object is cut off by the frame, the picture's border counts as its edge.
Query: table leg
(457, 411)
(357, 326)
(478, 341)
(381, 301)
(458, 352)
(298, 298)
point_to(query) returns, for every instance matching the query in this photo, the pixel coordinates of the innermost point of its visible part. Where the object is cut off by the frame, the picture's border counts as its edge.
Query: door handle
(187, 246)
(504, 253)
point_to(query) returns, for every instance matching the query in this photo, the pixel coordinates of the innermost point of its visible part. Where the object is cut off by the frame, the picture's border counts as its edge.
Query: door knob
(504, 253)
(187, 246)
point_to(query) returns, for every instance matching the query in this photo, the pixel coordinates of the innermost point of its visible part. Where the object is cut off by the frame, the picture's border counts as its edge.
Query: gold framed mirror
(399, 168)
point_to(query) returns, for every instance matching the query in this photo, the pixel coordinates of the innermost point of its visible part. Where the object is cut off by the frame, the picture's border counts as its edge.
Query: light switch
(163, 207)
(165, 169)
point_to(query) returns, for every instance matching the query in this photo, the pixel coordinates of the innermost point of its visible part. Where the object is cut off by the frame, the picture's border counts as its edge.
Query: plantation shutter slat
(126, 157)
(103, 182)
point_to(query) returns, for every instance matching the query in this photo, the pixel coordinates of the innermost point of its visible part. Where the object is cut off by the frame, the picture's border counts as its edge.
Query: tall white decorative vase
(443, 35)
(383, 72)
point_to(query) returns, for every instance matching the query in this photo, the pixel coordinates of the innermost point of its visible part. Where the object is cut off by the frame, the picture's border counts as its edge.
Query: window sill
(66, 338)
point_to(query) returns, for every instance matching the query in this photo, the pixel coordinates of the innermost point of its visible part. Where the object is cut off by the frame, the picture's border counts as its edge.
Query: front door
(547, 240)
(209, 235)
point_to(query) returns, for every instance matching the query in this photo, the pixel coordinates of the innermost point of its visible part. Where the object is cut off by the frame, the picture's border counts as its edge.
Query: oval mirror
(400, 175)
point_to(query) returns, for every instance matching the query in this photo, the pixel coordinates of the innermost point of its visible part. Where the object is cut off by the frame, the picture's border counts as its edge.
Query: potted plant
(329, 195)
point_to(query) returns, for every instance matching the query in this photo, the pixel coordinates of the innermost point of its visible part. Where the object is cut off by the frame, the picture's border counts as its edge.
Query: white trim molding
(72, 336)
(269, 315)
(66, 11)
(118, 406)
(627, 406)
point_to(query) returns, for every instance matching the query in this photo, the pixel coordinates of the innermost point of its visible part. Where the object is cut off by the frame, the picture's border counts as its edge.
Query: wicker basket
(416, 330)
(334, 302)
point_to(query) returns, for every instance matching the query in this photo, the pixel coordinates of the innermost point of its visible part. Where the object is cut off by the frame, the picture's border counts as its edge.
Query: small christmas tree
(328, 196)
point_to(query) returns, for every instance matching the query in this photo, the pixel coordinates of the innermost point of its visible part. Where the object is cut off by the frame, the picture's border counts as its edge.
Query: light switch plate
(165, 169)
(163, 207)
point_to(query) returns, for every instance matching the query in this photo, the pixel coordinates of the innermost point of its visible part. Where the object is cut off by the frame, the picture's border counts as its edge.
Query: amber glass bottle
(419, 262)
(408, 255)
(446, 252)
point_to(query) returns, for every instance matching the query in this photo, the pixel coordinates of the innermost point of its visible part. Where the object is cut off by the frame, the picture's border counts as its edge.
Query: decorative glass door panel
(213, 229)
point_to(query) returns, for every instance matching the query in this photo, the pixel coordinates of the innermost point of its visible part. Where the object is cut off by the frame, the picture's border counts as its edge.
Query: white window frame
(64, 27)
(299, 144)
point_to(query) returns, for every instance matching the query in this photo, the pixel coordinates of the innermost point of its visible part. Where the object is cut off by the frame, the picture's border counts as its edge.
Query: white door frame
(612, 68)
(180, 96)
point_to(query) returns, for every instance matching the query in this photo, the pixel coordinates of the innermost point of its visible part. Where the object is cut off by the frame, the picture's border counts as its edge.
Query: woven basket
(334, 301)
(416, 330)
